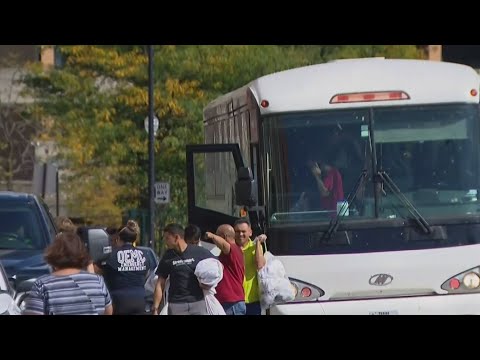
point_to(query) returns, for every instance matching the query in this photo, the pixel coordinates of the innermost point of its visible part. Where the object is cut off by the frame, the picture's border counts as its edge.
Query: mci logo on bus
(380, 280)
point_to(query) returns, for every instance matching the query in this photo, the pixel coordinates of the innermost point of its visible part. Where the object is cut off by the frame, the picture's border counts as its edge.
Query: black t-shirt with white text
(184, 286)
(125, 271)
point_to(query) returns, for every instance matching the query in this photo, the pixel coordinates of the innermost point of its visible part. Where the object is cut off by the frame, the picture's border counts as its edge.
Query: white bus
(400, 233)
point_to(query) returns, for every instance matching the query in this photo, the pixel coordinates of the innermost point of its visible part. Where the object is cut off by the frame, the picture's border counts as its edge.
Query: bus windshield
(315, 160)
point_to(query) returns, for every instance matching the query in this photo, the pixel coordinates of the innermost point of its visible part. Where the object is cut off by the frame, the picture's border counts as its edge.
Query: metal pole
(151, 140)
(44, 180)
(57, 197)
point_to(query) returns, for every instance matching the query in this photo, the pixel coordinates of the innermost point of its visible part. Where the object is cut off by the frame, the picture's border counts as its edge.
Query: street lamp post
(151, 148)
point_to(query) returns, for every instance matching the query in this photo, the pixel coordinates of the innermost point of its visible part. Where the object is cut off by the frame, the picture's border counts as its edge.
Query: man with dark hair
(254, 260)
(193, 234)
(329, 183)
(185, 296)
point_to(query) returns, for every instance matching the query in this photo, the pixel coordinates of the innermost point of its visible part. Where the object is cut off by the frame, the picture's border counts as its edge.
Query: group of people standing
(116, 286)
(241, 257)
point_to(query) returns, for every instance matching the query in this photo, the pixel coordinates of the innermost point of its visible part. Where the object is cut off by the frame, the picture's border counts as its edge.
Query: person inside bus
(329, 184)
(326, 191)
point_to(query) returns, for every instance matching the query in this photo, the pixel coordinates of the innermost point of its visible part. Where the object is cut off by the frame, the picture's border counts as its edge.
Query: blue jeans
(254, 309)
(236, 308)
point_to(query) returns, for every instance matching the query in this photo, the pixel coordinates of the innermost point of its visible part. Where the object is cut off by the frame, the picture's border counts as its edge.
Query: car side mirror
(24, 286)
(245, 188)
(98, 243)
(11, 281)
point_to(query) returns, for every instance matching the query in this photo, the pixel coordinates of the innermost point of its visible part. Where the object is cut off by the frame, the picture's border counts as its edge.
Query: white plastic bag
(151, 282)
(165, 298)
(274, 285)
(209, 273)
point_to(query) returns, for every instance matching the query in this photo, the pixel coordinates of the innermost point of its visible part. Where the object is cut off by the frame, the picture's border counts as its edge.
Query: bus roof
(313, 87)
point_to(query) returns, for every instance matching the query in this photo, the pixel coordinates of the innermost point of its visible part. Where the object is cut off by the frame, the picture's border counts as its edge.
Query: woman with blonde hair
(64, 224)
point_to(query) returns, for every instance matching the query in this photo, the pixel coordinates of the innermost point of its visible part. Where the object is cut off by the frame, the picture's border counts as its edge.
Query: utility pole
(151, 150)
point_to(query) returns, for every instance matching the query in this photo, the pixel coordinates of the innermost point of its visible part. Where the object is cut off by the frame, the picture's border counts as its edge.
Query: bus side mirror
(245, 188)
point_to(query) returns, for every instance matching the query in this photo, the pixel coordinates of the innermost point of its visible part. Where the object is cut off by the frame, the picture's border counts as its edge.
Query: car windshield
(19, 228)
(316, 158)
(3, 280)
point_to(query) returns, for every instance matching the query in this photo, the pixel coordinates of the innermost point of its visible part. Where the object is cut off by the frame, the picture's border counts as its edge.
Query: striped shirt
(77, 294)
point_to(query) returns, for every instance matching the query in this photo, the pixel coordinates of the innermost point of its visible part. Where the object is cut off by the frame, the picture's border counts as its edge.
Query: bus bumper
(458, 304)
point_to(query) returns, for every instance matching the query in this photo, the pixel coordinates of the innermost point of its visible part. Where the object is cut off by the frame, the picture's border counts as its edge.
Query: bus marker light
(454, 284)
(369, 96)
(306, 292)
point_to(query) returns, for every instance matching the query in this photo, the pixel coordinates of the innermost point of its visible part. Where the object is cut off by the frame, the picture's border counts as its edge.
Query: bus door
(212, 170)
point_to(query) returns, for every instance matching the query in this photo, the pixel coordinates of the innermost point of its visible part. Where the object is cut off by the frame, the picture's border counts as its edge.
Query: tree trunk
(9, 174)
(9, 179)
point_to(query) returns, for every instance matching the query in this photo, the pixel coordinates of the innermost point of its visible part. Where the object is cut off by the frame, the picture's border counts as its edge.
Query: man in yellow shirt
(254, 261)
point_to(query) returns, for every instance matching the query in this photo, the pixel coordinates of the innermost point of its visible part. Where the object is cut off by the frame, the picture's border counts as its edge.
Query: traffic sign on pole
(162, 192)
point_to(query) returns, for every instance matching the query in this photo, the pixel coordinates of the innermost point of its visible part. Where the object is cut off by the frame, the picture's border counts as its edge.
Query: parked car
(7, 295)
(26, 229)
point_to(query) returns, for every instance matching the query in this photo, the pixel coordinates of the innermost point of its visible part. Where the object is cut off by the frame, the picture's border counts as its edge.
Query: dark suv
(26, 228)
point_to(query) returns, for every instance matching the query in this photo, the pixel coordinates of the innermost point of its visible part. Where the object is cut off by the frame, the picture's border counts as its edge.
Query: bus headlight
(471, 280)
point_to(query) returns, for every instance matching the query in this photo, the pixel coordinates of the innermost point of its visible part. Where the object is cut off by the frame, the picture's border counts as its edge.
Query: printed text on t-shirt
(131, 260)
(183, 261)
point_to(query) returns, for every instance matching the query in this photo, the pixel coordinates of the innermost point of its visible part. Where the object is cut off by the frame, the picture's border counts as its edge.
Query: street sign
(162, 192)
(156, 124)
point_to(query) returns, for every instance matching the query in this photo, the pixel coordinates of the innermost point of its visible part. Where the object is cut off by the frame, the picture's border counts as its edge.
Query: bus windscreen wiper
(335, 222)
(422, 223)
